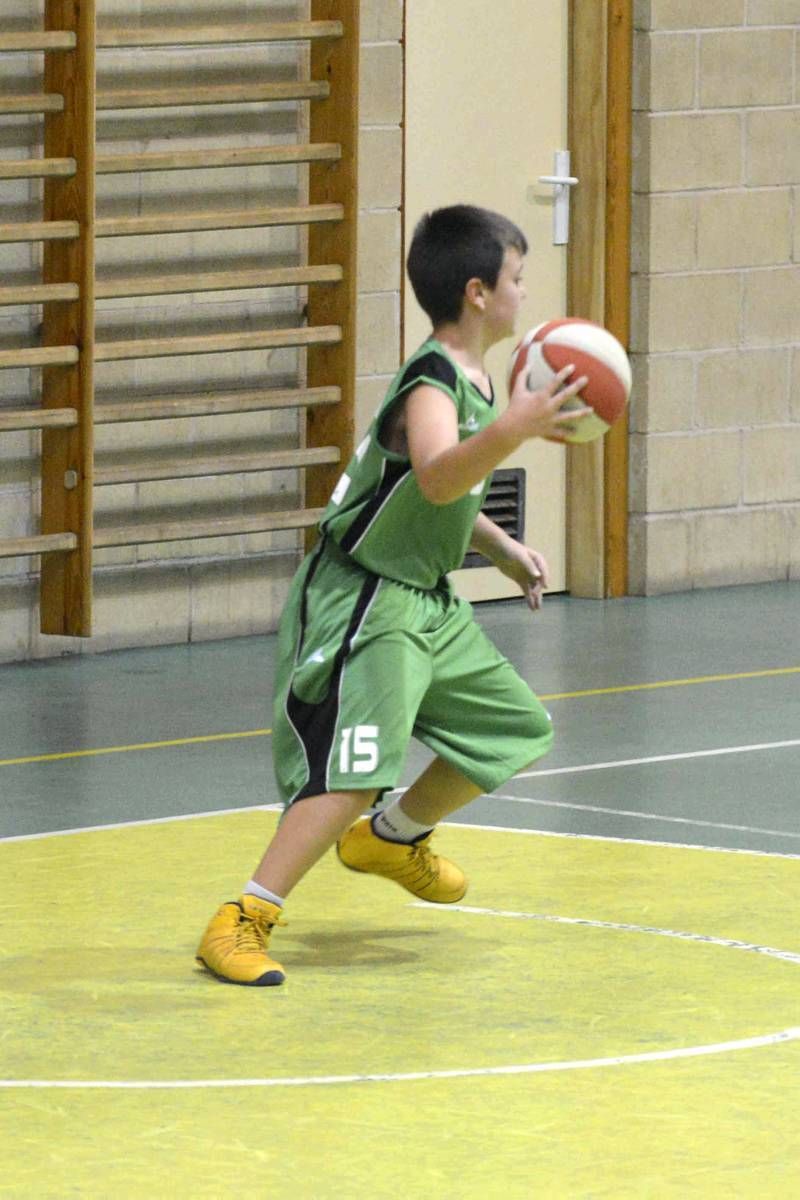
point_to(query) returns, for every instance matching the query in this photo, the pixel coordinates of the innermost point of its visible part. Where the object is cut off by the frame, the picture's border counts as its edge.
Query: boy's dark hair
(452, 245)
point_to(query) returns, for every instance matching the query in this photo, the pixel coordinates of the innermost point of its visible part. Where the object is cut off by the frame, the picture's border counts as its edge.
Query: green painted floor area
(176, 693)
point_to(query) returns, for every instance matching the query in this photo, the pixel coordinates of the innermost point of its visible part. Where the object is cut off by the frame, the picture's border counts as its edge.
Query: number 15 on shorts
(358, 749)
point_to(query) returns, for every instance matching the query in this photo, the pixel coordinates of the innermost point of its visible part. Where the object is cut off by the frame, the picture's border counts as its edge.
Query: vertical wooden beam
(588, 21)
(335, 119)
(598, 273)
(617, 273)
(66, 579)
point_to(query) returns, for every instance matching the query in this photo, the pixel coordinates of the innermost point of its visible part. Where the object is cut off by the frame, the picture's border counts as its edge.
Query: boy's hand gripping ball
(595, 352)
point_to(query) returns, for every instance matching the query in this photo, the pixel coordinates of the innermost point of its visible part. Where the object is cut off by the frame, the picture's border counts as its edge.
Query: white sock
(255, 889)
(394, 825)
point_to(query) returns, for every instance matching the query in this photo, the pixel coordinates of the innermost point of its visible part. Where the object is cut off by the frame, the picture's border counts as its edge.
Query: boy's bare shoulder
(394, 428)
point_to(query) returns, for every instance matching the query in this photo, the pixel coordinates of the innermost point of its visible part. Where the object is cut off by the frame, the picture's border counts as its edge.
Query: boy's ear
(475, 293)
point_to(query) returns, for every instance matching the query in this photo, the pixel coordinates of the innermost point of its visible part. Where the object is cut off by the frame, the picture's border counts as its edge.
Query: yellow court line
(667, 683)
(249, 733)
(188, 741)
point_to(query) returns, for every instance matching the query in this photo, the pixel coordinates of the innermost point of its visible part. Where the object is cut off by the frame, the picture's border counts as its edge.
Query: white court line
(223, 812)
(763, 1040)
(768, 1039)
(644, 816)
(601, 837)
(585, 1064)
(705, 939)
(658, 758)
(195, 816)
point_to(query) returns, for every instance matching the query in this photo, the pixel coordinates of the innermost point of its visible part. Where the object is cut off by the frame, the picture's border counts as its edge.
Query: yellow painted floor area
(97, 984)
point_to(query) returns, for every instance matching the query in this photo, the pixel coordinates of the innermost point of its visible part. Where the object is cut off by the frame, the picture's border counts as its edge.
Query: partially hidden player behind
(374, 646)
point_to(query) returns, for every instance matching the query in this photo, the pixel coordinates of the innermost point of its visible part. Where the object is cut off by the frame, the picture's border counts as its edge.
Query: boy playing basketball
(374, 646)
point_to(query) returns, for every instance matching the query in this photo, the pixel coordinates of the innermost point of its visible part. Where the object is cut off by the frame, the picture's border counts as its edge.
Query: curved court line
(767, 1039)
(250, 733)
(705, 939)
(586, 1064)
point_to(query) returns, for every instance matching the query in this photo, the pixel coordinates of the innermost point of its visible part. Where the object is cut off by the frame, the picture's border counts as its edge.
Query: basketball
(595, 352)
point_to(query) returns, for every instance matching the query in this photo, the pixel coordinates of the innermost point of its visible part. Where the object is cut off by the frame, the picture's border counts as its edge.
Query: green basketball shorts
(366, 663)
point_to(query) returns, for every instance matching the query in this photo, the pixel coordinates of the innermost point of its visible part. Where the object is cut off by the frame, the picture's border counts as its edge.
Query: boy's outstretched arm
(446, 468)
(526, 567)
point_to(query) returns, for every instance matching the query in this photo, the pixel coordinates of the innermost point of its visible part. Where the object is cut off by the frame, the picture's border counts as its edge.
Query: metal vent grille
(505, 505)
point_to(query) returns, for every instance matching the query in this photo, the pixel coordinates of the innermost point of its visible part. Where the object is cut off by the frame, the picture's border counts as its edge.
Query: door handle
(561, 181)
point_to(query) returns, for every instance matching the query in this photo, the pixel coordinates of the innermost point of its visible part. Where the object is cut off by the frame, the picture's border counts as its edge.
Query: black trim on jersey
(433, 368)
(315, 724)
(428, 368)
(393, 473)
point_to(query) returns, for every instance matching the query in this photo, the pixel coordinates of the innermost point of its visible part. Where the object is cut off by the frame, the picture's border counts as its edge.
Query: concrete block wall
(216, 587)
(715, 418)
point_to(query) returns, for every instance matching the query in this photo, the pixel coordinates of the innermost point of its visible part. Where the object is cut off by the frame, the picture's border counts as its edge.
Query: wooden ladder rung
(38, 293)
(304, 214)
(215, 281)
(186, 160)
(221, 464)
(37, 418)
(215, 35)
(217, 343)
(43, 543)
(38, 168)
(178, 531)
(40, 356)
(40, 231)
(237, 93)
(31, 104)
(60, 39)
(160, 408)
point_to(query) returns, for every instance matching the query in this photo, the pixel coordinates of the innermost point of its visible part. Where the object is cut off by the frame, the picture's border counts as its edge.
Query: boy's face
(503, 301)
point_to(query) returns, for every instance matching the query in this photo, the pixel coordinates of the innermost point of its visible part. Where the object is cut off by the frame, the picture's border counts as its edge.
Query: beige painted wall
(219, 587)
(715, 441)
(485, 139)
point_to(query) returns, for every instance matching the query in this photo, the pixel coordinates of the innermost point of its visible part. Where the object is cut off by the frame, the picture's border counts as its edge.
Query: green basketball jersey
(378, 514)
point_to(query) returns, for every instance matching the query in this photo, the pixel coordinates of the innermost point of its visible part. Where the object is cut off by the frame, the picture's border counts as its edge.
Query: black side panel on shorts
(304, 597)
(315, 724)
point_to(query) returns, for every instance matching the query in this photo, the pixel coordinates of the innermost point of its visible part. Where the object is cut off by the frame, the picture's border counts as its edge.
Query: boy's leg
(348, 687)
(308, 829)
(350, 675)
(483, 723)
(440, 790)
(397, 846)
(235, 945)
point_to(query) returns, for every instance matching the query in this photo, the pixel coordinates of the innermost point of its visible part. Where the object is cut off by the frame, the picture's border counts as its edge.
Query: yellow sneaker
(413, 866)
(234, 946)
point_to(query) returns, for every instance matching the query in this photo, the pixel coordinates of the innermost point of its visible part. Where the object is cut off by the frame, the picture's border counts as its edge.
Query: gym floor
(611, 1012)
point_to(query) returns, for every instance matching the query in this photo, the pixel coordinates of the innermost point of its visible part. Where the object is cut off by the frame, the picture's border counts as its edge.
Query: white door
(486, 108)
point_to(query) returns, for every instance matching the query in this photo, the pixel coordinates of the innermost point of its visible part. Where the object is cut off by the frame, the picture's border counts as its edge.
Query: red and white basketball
(595, 352)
